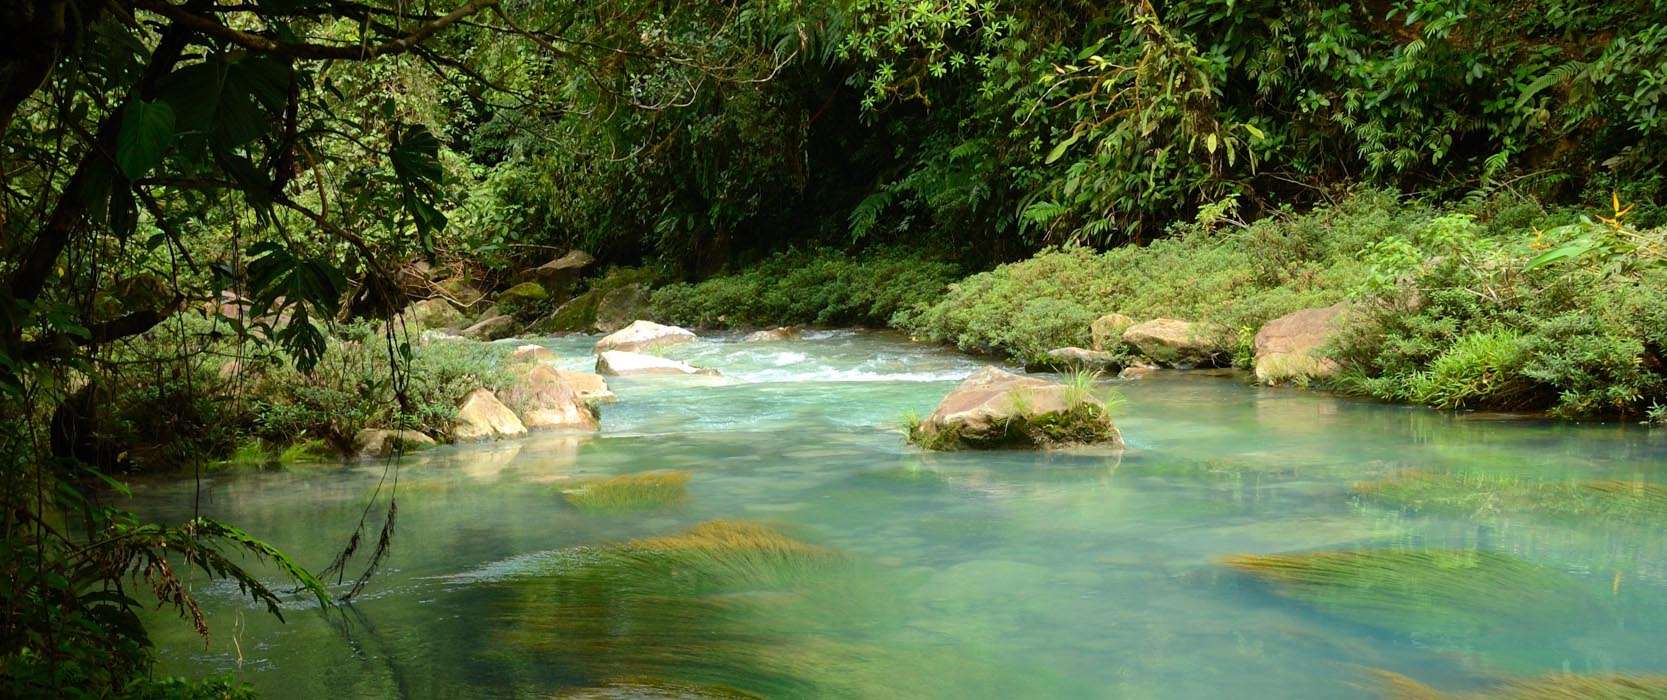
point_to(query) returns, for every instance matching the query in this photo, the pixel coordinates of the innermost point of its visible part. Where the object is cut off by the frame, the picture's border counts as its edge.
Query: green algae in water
(1482, 495)
(735, 605)
(1441, 593)
(1553, 687)
(631, 492)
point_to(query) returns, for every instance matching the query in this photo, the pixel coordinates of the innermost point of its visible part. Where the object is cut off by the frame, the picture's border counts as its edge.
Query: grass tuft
(1437, 592)
(630, 492)
(1482, 494)
(1552, 687)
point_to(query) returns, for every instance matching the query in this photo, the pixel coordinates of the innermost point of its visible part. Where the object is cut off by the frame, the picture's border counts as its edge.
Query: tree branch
(256, 42)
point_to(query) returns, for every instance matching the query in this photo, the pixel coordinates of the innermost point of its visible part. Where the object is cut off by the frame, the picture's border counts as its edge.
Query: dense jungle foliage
(214, 214)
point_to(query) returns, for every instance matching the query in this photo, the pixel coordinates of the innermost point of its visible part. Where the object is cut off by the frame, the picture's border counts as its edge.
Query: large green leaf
(146, 133)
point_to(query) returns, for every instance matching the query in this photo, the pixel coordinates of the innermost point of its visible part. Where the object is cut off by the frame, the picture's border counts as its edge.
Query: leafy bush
(1465, 315)
(817, 287)
(352, 388)
(1239, 278)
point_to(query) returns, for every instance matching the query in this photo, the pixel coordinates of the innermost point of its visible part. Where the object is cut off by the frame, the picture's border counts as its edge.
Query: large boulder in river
(1178, 343)
(532, 353)
(1288, 347)
(642, 335)
(482, 416)
(1077, 360)
(625, 364)
(377, 442)
(617, 307)
(774, 335)
(491, 328)
(998, 409)
(1107, 330)
(544, 402)
(589, 386)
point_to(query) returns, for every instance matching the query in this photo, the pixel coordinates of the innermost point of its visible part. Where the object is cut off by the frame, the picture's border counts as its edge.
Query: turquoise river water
(1082, 574)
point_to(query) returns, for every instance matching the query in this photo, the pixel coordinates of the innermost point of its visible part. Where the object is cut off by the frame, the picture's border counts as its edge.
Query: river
(1002, 574)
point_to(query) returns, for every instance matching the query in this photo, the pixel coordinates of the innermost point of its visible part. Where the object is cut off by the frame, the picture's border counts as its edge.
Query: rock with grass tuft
(1288, 348)
(995, 408)
(1177, 343)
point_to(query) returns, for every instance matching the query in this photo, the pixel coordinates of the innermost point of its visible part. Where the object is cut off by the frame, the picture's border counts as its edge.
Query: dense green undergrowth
(1495, 304)
(819, 287)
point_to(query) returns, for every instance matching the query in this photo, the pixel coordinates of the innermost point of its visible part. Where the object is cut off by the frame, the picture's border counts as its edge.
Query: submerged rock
(544, 402)
(532, 353)
(589, 386)
(995, 409)
(620, 363)
(1287, 348)
(1178, 343)
(491, 328)
(1107, 330)
(482, 416)
(377, 442)
(643, 335)
(617, 307)
(774, 335)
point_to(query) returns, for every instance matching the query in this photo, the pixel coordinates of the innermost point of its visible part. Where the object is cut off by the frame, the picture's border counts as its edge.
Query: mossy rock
(523, 301)
(631, 492)
(575, 315)
(1427, 592)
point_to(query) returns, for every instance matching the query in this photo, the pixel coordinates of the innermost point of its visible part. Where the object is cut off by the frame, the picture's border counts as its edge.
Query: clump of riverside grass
(629, 492)
(1425, 592)
(1483, 494)
(1553, 687)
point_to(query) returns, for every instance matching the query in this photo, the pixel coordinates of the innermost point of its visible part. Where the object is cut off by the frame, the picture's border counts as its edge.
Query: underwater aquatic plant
(1560, 686)
(1425, 591)
(739, 606)
(628, 492)
(1486, 494)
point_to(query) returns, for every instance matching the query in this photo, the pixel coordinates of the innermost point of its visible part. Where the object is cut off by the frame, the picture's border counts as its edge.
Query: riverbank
(1495, 305)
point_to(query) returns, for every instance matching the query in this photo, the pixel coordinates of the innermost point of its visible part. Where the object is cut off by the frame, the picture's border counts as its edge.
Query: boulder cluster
(1288, 349)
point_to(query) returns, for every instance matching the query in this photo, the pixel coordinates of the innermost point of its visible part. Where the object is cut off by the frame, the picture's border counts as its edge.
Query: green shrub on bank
(1499, 306)
(352, 388)
(818, 287)
(1465, 315)
(1237, 277)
